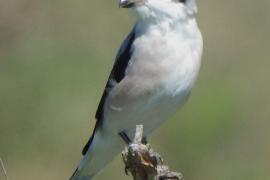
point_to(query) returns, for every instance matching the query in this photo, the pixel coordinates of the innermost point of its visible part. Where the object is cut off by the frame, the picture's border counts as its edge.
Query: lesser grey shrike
(152, 77)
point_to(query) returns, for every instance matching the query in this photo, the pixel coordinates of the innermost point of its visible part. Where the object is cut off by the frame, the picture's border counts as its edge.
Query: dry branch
(3, 169)
(143, 162)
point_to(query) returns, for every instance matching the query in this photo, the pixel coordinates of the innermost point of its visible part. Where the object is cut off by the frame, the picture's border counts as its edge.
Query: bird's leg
(144, 140)
(125, 137)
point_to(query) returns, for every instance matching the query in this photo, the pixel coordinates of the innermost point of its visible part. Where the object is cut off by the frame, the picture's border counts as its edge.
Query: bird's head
(160, 9)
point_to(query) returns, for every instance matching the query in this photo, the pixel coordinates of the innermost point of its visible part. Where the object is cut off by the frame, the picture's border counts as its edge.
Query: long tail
(103, 149)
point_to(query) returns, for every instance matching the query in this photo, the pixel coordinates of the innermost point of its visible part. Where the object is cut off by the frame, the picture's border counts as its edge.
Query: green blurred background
(55, 57)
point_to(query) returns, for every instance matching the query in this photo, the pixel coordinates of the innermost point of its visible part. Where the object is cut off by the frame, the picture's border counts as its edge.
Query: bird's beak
(127, 3)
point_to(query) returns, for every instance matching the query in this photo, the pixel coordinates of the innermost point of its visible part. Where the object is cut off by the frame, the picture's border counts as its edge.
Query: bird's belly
(161, 108)
(151, 110)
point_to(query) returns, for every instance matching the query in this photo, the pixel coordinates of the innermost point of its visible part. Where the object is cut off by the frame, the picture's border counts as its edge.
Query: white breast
(171, 53)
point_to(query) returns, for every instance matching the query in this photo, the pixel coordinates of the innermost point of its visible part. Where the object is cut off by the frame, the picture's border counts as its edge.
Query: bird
(152, 77)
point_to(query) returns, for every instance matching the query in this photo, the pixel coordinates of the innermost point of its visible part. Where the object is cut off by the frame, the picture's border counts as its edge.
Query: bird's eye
(182, 1)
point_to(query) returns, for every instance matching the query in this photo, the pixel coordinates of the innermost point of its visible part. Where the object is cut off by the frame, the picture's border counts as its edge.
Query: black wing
(117, 74)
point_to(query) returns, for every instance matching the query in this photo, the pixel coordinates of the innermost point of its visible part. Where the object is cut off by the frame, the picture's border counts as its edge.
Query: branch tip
(143, 163)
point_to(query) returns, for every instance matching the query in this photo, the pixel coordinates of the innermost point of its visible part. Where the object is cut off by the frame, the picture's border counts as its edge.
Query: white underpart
(159, 78)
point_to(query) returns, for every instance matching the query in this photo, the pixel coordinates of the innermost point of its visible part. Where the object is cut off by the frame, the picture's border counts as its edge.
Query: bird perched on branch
(152, 77)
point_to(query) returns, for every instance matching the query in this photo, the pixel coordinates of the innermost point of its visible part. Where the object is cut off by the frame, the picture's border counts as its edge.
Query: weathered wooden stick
(3, 169)
(143, 162)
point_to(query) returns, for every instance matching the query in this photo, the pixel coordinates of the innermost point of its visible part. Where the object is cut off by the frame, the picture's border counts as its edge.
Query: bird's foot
(125, 137)
(144, 140)
(127, 140)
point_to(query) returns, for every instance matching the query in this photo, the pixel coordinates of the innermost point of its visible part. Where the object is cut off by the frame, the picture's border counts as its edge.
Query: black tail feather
(73, 174)
(86, 147)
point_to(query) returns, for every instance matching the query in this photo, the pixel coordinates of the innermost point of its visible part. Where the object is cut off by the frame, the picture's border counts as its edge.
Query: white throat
(165, 9)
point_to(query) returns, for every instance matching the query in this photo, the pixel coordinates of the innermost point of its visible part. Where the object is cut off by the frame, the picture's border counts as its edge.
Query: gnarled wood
(143, 162)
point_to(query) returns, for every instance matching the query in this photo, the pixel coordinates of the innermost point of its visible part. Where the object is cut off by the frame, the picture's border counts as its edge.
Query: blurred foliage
(55, 57)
